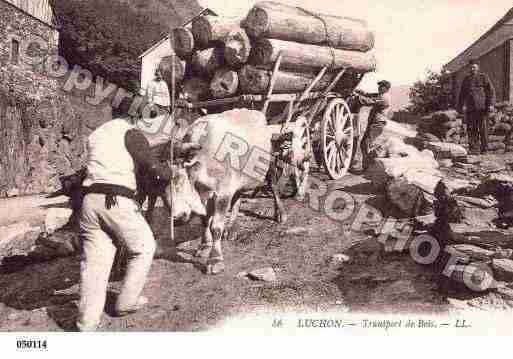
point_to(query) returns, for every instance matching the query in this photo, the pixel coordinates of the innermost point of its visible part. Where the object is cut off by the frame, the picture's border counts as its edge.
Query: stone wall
(42, 128)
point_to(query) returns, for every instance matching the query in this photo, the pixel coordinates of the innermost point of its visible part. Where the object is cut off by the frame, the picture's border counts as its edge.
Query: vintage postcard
(334, 167)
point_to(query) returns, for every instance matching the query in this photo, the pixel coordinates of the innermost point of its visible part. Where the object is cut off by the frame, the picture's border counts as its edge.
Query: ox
(235, 155)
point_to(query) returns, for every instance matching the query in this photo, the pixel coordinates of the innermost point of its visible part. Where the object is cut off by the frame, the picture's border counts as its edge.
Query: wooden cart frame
(330, 125)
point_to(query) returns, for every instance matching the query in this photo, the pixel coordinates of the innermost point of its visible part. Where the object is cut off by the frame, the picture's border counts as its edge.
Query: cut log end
(237, 48)
(202, 31)
(225, 83)
(183, 42)
(195, 89)
(256, 22)
(207, 61)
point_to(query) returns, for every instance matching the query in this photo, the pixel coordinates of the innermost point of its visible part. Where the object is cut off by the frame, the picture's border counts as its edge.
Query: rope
(328, 41)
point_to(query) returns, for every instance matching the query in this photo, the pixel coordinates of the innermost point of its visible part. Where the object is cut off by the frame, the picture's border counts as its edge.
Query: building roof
(494, 37)
(41, 10)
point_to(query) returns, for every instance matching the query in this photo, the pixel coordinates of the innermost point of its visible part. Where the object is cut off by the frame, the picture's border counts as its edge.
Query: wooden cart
(312, 123)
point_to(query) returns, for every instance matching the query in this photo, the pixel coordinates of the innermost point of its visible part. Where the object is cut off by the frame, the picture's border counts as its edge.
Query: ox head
(181, 191)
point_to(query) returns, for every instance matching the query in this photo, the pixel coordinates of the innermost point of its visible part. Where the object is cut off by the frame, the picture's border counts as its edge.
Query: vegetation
(429, 95)
(107, 37)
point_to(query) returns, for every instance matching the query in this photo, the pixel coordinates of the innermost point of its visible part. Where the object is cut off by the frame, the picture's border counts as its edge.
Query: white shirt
(158, 93)
(108, 159)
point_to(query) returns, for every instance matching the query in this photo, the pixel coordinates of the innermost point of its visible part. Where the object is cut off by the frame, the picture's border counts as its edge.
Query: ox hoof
(215, 268)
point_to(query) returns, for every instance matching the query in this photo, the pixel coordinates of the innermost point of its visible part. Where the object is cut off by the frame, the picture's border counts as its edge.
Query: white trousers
(103, 230)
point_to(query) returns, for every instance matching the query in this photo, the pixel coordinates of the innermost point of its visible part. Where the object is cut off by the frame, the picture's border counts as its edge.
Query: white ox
(235, 155)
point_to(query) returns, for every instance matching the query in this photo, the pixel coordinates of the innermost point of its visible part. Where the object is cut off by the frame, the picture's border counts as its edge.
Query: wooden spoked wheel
(337, 136)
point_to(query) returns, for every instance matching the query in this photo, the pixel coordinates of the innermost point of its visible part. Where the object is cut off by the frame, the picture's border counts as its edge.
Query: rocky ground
(311, 263)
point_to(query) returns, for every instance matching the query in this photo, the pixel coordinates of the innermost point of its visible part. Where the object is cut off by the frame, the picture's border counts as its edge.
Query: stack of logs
(221, 57)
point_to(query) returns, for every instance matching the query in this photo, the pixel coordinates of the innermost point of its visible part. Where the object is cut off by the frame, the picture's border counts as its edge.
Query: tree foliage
(429, 95)
(107, 37)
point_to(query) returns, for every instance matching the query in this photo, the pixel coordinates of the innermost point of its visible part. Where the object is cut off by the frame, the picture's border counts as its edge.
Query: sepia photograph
(293, 166)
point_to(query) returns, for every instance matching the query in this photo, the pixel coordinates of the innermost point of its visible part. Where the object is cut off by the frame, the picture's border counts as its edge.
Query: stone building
(494, 52)
(25, 27)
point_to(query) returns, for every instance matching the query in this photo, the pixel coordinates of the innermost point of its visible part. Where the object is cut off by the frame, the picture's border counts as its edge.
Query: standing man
(111, 219)
(478, 96)
(158, 92)
(378, 116)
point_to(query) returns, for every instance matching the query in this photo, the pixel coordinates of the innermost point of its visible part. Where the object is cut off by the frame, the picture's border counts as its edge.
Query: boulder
(446, 163)
(384, 169)
(446, 150)
(429, 137)
(471, 251)
(474, 276)
(263, 274)
(407, 196)
(13, 192)
(17, 238)
(56, 218)
(475, 201)
(491, 167)
(503, 269)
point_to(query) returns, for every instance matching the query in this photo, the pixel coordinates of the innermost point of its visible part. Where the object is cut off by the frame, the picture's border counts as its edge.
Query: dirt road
(43, 296)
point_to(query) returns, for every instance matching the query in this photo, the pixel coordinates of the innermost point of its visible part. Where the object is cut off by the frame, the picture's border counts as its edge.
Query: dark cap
(473, 61)
(385, 83)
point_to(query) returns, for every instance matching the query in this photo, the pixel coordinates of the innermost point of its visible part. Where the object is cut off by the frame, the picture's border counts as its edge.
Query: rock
(418, 169)
(62, 244)
(496, 146)
(465, 166)
(263, 274)
(471, 251)
(491, 167)
(56, 218)
(474, 276)
(407, 196)
(469, 159)
(242, 275)
(475, 201)
(503, 269)
(338, 259)
(446, 150)
(446, 163)
(17, 238)
(428, 137)
(296, 230)
(13, 192)
(505, 292)
(501, 253)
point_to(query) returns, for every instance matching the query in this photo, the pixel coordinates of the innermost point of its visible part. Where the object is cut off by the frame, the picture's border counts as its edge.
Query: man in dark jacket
(478, 96)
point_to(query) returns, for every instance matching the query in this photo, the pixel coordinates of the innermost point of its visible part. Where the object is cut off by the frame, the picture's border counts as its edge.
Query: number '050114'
(31, 344)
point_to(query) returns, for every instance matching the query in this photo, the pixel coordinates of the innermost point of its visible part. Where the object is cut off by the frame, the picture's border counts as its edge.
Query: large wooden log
(206, 62)
(256, 81)
(195, 89)
(278, 21)
(208, 29)
(225, 83)
(302, 56)
(183, 42)
(237, 48)
(166, 68)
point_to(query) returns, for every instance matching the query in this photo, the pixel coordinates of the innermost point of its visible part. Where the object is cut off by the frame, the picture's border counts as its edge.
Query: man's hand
(491, 109)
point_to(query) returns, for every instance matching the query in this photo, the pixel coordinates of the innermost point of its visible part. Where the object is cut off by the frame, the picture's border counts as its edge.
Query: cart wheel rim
(337, 138)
